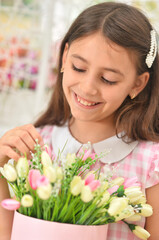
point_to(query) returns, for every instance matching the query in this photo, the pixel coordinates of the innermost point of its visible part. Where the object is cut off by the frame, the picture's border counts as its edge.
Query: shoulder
(147, 148)
(149, 153)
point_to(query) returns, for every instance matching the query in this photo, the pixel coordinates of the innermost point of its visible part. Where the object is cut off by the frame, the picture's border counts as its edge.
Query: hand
(17, 141)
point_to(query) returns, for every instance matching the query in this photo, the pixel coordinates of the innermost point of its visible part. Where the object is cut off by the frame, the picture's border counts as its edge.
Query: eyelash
(108, 82)
(77, 69)
(81, 71)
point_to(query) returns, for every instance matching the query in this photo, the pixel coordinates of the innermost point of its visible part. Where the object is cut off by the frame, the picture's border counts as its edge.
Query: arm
(6, 217)
(23, 139)
(152, 223)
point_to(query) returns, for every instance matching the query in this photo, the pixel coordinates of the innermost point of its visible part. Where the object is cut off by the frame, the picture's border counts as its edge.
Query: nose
(89, 85)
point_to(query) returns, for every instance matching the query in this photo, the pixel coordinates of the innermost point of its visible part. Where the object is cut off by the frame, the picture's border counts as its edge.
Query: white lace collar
(118, 149)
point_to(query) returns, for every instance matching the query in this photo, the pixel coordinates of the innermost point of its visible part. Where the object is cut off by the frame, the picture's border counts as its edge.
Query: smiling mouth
(85, 102)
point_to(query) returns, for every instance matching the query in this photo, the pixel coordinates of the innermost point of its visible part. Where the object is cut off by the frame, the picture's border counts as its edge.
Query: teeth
(85, 103)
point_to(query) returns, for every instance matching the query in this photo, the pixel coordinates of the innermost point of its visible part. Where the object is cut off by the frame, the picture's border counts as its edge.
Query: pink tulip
(42, 181)
(10, 204)
(131, 182)
(89, 179)
(86, 154)
(93, 184)
(34, 176)
(113, 189)
(92, 155)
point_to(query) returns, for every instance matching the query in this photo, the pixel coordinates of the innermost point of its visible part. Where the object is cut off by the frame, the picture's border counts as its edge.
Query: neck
(94, 132)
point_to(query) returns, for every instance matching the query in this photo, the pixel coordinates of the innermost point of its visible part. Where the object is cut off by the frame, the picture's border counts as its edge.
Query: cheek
(115, 94)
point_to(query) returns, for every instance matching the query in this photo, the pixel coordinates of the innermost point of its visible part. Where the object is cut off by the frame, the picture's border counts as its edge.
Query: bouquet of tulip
(65, 190)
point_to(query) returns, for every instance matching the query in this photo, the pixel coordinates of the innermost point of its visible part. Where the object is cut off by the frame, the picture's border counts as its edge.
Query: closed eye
(108, 82)
(77, 69)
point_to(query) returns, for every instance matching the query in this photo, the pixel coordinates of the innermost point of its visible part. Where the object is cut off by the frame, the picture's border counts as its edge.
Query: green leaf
(120, 191)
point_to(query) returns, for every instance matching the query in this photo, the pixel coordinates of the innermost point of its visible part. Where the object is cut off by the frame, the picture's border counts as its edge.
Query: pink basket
(28, 228)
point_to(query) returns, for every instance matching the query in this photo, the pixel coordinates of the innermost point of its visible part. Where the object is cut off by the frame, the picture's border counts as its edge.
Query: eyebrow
(114, 70)
(79, 57)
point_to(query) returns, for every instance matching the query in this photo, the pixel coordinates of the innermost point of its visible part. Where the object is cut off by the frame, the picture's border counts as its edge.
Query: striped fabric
(142, 162)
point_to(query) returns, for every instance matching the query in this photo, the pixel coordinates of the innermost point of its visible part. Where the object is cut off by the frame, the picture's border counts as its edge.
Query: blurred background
(30, 35)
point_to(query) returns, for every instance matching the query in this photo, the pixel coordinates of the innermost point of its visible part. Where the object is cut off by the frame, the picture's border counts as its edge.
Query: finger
(33, 133)
(19, 139)
(25, 137)
(9, 153)
(19, 144)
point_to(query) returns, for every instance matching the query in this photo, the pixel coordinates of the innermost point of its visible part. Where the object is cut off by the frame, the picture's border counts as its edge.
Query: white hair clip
(153, 49)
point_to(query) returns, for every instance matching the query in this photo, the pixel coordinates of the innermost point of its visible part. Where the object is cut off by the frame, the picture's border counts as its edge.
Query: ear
(140, 84)
(65, 55)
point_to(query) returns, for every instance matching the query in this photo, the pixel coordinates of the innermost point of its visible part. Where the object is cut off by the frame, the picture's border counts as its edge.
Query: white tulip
(50, 173)
(104, 199)
(70, 159)
(22, 167)
(76, 185)
(146, 210)
(117, 205)
(127, 212)
(86, 194)
(59, 173)
(141, 233)
(133, 193)
(44, 192)
(135, 217)
(9, 172)
(117, 181)
(45, 159)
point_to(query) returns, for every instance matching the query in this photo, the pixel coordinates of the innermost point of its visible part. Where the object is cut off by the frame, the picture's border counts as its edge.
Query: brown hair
(129, 28)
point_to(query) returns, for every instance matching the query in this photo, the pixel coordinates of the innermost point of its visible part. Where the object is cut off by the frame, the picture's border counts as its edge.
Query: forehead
(100, 49)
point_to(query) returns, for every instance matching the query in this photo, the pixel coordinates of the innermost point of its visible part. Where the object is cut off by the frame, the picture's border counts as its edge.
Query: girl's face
(98, 76)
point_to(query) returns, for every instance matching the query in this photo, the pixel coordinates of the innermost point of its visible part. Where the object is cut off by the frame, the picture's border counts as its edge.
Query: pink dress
(139, 159)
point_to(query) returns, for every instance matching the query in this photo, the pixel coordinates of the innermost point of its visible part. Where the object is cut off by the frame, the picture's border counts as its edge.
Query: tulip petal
(89, 179)
(113, 189)
(34, 175)
(10, 204)
(86, 154)
(94, 185)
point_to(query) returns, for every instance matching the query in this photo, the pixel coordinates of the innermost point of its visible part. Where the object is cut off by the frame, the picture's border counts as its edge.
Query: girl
(106, 93)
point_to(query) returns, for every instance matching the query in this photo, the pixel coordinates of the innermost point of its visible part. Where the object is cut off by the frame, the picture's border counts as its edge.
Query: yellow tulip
(44, 192)
(146, 210)
(117, 181)
(70, 159)
(76, 185)
(104, 185)
(22, 167)
(50, 173)
(104, 199)
(9, 172)
(117, 205)
(135, 217)
(27, 200)
(45, 159)
(27, 185)
(133, 193)
(141, 233)
(59, 173)
(86, 194)
(127, 212)
(142, 199)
